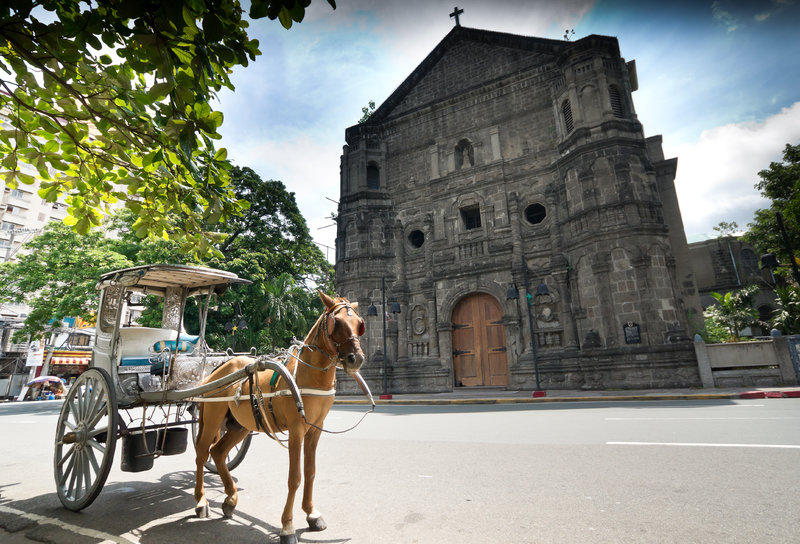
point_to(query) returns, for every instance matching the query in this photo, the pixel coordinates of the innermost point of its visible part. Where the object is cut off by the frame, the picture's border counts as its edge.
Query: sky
(719, 80)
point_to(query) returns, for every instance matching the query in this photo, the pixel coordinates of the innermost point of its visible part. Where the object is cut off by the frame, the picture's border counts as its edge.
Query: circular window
(416, 238)
(535, 214)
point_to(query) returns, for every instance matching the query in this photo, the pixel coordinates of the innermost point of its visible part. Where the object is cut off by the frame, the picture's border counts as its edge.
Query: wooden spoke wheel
(86, 436)
(235, 456)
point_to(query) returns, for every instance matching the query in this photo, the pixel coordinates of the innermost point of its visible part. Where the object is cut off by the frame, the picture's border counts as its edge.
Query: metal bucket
(175, 440)
(137, 451)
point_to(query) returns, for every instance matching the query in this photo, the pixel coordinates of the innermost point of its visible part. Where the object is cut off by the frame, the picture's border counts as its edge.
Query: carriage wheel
(86, 436)
(235, 456)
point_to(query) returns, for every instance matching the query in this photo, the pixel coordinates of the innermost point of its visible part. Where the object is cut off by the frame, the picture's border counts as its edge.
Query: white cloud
(308, 166)
(717, 174)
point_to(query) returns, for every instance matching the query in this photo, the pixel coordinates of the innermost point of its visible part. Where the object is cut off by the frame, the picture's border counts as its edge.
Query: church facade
(506, 198)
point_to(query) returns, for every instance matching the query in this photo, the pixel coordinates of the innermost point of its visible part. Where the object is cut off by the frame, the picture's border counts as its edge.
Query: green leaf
(27, 179)
(258, 9)
(160, 90)
(285, 18)
(212, 27)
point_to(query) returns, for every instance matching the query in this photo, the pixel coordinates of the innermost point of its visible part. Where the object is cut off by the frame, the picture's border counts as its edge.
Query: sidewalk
(490, 395)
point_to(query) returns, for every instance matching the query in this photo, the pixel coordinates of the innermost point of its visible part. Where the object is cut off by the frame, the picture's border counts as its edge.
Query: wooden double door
(479, 342)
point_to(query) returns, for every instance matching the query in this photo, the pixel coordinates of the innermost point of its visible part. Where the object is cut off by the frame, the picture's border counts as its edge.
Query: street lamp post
(770, 261)
(373, 311)
(513, 295)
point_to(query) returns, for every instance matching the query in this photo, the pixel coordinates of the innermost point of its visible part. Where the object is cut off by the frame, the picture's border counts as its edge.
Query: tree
(285, 309)
(786, 317)
(270, 245)
(367, 111)
(57, 278)
(272, 226)
(111, 101)
(726, 229)
(780, 183)
(733, 311)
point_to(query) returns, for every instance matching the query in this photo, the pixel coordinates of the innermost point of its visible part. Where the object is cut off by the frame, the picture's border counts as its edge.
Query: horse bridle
(325, 326)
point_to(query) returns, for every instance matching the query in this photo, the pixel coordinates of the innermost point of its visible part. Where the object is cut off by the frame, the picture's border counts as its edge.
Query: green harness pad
(274, 379)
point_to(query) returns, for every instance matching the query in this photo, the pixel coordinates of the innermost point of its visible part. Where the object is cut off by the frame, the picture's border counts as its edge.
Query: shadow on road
(136, 511)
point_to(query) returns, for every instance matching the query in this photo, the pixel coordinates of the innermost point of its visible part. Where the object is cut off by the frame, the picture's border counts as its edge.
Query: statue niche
(465, 155)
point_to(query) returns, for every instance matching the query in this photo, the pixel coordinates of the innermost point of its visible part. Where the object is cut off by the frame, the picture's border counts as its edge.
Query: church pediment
(467, 58)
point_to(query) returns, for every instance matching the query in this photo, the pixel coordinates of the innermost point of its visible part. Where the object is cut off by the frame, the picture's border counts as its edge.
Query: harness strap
(257, 404)
(304, 391)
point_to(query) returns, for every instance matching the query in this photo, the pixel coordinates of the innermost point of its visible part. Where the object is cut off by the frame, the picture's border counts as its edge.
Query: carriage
(143, 383)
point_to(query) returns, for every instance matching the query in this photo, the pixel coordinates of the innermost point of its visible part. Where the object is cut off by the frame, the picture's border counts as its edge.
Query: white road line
(705, 445)
(696, 418)
(44, 520)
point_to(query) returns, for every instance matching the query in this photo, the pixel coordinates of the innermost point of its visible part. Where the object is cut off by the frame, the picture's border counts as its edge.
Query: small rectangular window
(471, 217)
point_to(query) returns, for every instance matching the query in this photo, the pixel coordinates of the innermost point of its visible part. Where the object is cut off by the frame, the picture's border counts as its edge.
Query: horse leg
(295, 444)
(208, 422)
(313, 517)
(234, 434)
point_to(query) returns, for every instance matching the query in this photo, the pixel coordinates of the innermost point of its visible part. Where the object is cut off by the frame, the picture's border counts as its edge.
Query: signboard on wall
(35, 354)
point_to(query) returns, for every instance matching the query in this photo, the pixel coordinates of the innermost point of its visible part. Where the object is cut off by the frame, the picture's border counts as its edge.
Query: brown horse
(332, 341)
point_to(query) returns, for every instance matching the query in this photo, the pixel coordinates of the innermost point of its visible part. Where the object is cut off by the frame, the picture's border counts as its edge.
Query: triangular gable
(474, 57)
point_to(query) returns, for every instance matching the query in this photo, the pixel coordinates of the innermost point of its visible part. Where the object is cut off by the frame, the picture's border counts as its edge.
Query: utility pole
(13, 233)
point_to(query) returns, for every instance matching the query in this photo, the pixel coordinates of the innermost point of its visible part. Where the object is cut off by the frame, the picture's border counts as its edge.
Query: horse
(332, 341)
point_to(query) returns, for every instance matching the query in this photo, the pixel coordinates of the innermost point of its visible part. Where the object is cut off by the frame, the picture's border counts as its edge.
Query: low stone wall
(761, 363)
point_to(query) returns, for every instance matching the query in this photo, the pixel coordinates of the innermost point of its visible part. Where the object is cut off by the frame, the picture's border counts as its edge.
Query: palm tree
(734, 311)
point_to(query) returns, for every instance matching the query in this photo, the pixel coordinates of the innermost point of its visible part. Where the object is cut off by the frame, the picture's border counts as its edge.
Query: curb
(541, 400)
(538, 400)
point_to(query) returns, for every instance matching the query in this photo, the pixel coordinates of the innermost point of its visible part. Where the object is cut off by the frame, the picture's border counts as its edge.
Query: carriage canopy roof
(157, 278)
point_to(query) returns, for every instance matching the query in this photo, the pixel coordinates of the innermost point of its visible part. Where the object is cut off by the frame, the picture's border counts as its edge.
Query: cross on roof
(456, 13)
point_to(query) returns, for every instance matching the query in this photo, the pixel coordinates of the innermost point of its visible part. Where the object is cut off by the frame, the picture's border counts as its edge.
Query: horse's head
(342, 325)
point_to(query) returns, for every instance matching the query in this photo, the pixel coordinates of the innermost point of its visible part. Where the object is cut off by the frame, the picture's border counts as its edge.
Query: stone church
(505, 213)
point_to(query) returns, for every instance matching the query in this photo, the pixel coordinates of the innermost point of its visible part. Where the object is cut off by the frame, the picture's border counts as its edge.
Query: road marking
(696, 418)
(705, 445)
(44, 520)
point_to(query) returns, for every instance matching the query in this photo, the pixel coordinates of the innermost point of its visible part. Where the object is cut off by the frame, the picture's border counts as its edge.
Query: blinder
(330, 320)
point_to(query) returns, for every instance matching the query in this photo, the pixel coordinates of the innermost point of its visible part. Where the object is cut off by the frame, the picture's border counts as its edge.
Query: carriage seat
(136, 344)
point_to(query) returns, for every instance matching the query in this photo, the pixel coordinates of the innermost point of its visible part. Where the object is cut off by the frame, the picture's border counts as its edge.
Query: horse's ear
(361, 328)
(326, 300)
(354, 305)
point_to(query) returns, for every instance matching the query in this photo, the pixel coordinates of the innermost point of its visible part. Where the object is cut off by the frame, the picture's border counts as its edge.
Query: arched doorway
(479, 342)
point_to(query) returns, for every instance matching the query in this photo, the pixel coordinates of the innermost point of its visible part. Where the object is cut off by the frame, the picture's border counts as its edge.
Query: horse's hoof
(288, 539)
(316, 523)
(227, 509)
(201, 511)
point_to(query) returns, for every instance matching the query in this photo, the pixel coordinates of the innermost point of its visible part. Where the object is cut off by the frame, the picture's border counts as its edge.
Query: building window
(79, 339)
(535, 214)
(373, 176)
(416, 238)
(566, 111)
(471, 217)
(617, 106)
(16, 210)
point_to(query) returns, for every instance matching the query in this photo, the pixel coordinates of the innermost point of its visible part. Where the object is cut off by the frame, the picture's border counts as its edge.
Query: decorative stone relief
(419, 320)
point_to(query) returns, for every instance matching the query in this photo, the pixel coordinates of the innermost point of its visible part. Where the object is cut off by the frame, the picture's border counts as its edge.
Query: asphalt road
(650, 472)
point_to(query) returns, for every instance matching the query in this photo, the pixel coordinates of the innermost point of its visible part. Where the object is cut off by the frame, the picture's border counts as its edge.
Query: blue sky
(719, 80)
